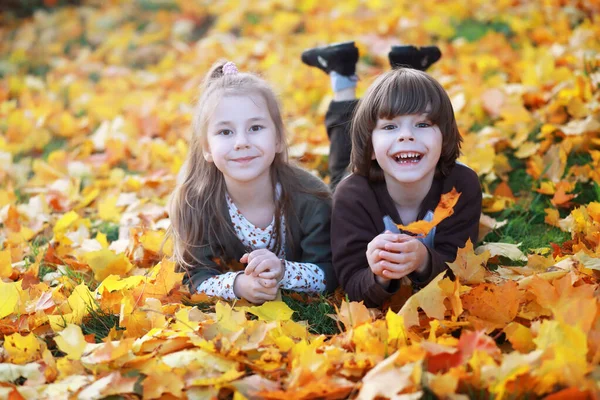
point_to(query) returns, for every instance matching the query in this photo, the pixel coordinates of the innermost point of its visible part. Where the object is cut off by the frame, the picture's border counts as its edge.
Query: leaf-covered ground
(95, 110)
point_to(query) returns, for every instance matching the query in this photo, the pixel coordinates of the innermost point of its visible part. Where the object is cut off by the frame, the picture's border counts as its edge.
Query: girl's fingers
(244, 258)
(268, 274)
(265, 265)
(254, 262)
(267, 283)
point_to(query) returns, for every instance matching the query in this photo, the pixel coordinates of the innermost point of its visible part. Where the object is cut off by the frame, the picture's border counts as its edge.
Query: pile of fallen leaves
(95, 111)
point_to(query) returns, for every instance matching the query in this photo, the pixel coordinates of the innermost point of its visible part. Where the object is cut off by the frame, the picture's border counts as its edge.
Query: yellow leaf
(105, 262)
(22, 349)
(114, 282)
(353, 314)
(228, 318)
(71, 341)
(520, 337)
(64, 223)
(272, 311)
(81, 302)
(165, 280)
(396, 331)
(444, 209)
(108, 210)
(9, 297)
(5, 264)
(430, 299)
(564, 362)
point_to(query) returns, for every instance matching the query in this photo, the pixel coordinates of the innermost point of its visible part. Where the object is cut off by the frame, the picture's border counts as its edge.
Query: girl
(405, 143)
(240, 202)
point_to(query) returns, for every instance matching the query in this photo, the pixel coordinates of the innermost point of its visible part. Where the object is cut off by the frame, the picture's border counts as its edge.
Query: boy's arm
(352, 229)
(452, 233)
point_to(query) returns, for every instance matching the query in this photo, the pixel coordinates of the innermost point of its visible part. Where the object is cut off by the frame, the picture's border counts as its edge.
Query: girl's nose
(241, 141)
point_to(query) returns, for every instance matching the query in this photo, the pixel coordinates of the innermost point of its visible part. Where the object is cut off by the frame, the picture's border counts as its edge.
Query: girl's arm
(220, 286)
(310, 269)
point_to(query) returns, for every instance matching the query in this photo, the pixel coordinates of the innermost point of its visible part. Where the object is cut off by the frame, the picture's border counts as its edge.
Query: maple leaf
(491, 306)
(468, 267)
(443, 210)
(430, 299)
(71, 341)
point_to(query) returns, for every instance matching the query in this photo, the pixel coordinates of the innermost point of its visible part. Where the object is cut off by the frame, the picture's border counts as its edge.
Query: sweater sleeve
(352, 229)
(203, 267)
(315, 223)
(453, 232)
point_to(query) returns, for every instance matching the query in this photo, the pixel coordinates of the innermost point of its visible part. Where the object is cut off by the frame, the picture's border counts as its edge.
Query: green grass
(473, 30)
(99, 323)
(111, 230)
(315, 313)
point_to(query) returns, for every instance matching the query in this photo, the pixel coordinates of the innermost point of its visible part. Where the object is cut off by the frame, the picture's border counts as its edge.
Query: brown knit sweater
(358, 210)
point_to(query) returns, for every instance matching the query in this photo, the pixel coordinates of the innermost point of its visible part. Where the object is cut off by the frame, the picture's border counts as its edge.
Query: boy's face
(242, 139)
(407, 148)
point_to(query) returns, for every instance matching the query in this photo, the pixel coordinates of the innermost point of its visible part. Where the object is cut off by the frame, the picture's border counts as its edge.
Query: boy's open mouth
(406, 157)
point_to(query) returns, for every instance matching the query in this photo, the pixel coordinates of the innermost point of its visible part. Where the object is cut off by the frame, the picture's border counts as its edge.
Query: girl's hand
(264, 264)
(400, 258)
(254, 289)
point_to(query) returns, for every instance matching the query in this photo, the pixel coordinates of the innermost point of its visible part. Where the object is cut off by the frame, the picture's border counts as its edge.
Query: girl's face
(242, 139)
(407, 148)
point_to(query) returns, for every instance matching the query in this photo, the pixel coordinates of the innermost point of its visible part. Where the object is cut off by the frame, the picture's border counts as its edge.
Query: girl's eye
(423, 125)
(388, 127)
(225, 132)
(256, 128)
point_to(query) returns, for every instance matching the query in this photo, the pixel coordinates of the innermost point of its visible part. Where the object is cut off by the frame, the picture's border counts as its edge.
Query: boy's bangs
(409, 95)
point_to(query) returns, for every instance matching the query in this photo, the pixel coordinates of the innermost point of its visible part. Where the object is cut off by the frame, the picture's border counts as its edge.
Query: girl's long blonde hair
(197, 208)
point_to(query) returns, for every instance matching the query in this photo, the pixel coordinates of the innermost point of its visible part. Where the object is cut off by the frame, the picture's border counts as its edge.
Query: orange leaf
(492, 306)
(469, 267)
(444, 209)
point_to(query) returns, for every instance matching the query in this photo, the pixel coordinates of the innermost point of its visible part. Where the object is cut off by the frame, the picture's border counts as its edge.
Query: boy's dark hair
(402, 91)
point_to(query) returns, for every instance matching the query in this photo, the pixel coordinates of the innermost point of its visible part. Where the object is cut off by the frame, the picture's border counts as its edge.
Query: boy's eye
(255, 128)
(225, 132)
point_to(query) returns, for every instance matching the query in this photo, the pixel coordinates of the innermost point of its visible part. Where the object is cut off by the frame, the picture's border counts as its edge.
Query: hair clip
(229, 68)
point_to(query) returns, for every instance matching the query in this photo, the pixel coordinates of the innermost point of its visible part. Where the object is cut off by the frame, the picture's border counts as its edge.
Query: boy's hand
(254, 289)
(405, 255)
(265, 264)
(393, 256)
(374, 250)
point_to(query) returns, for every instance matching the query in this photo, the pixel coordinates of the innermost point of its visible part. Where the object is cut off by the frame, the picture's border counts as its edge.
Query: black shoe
(413, 57)
(339, 57)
